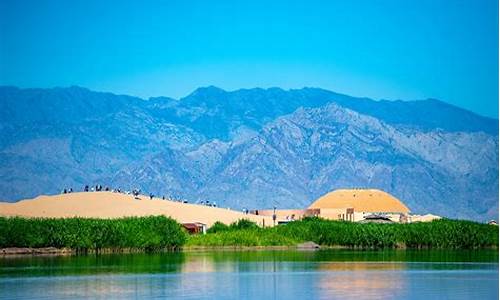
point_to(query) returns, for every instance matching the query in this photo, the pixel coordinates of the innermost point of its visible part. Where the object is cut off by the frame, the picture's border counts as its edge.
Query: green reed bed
(159, 233)
(443, 234)
(242, 233)
(83, 234)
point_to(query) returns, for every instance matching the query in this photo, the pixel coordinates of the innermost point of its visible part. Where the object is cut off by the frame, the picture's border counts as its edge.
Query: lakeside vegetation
(160, 233)
(82, 234)
(442, 234)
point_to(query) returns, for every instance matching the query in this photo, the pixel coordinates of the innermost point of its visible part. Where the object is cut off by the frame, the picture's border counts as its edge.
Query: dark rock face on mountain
(250, 148)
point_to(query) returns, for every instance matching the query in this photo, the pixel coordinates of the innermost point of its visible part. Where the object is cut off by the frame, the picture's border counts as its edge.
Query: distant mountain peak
(207, 90)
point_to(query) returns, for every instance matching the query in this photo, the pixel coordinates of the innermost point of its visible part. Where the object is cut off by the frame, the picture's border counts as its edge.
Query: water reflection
(381, 279)
(255, 274)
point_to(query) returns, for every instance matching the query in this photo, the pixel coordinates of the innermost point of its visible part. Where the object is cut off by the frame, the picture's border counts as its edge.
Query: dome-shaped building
(355, 204)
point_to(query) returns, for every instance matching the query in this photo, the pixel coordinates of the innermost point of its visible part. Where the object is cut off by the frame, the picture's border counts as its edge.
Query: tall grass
(142, 233)
(437, 234)
(242, 238)
(240, 233)
(238, 225)
(156, 233)
(443, 234)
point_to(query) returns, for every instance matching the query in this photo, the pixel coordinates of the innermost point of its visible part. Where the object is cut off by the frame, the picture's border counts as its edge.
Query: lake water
(325, 274)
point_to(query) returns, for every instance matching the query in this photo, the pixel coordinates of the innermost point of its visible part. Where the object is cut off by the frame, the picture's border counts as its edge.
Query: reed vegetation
(160, 233)
(439, 234)
(82, 234)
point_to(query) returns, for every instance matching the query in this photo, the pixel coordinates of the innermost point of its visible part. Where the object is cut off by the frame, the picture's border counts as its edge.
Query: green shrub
(145, 233)
(218, 227)
(243, 224)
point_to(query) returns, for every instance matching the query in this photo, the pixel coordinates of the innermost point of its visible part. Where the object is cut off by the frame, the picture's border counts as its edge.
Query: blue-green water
(328, 274)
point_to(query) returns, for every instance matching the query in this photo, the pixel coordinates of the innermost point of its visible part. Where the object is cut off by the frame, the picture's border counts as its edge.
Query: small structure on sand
(284, 216)
(195, 228)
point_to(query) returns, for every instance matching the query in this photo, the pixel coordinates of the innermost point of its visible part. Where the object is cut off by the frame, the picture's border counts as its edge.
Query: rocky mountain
(250, 148)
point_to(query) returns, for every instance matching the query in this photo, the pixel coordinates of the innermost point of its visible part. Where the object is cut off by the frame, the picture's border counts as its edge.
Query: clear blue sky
(380, 49)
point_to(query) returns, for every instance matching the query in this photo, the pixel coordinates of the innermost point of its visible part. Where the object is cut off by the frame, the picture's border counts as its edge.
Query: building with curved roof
(354, 204)
(366, 200)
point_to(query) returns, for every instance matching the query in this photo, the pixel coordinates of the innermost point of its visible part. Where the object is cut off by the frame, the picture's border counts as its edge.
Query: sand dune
(115, 205)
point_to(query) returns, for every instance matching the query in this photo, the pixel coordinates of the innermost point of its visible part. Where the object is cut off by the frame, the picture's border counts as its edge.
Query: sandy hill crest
(115, 205)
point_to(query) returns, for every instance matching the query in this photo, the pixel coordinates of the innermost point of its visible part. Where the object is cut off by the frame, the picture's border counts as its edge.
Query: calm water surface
(326, 274)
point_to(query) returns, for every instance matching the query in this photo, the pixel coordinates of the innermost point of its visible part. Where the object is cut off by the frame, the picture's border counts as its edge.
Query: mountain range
(250, 148)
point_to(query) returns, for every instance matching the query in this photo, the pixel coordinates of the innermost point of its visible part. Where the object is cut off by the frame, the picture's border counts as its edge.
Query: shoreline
(52, 251)
(45, 251)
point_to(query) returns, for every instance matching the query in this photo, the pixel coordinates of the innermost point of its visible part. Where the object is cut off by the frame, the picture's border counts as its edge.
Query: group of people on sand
(135, 192)
(96, 188)
(208, 203)
(100, 188)
(67, 191)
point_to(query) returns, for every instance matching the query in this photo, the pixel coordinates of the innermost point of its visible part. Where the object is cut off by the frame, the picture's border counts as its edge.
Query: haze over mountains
(250, 148)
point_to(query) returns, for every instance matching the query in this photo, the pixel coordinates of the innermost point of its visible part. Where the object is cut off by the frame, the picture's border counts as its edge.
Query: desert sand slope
(114, 205)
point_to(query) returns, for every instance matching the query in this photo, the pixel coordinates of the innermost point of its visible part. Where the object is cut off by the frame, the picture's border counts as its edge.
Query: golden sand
(116, 205)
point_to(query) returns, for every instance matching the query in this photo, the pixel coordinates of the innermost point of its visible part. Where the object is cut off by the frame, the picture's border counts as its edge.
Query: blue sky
(380, 49)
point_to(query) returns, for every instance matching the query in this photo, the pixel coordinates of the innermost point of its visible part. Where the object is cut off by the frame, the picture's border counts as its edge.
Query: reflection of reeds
(142, 233)
(446, 234)
(136, 263)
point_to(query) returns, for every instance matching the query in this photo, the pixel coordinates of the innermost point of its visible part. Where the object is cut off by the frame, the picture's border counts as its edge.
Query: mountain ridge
(250, 147)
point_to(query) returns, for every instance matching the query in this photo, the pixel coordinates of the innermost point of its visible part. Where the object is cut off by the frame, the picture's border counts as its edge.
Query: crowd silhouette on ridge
(135, 192)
